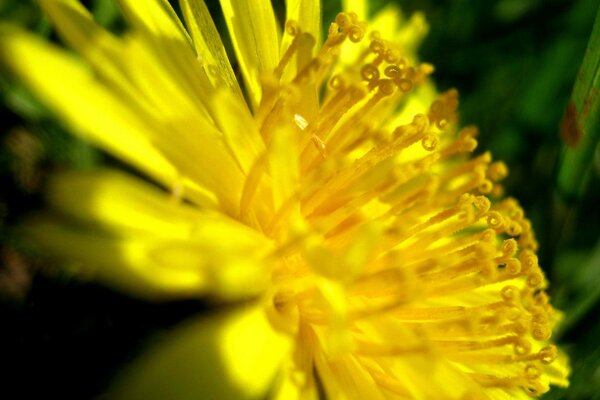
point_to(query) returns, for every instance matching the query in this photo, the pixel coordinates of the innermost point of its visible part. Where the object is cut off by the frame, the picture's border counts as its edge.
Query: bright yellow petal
(412, 33)
(253, 30)
(559, 370)
(72, 91)
(232, 355)
(104, 52)
(344, 378)
(156, 19)
(159, 85)
(103, 117)
(240, 131)
(112, 59)
(307, 13)
(182, 129)
(154, 267)
(136, 76)
(158, 233)
(359, 7)
(125, 263)
(402, 374)
(99, 47)
(208, 44)
(388, 20)
(114, 199)
(163, 35)
(284, 165)
(287, 388)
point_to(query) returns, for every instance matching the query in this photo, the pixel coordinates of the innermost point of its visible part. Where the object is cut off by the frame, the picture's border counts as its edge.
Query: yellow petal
(344, 378)
(165, 37)
(412, 33)
(253, 30)
(72, 91)
(202, 156)
(307, 13)
(558, 372)
(361, 249)
(156, 19)
(152, 267)
(108, 55)
(181, 128)
(123, 263)
(118, 200)
(231, 355)
(388, 20)
(139, 81)
(240, 133)
(359, 7)
(155, 144)
(283, 164)
(208, 44)
(160, 85)
(99, 47)
(147, 236)
(287, 388)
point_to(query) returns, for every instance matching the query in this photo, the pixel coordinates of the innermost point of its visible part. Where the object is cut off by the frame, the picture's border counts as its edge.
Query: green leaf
(580, 128)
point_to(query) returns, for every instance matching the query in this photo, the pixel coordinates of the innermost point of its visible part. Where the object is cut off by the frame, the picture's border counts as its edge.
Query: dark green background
(514, 63)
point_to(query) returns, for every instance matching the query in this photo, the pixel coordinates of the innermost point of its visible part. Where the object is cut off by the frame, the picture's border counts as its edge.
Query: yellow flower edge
(331, 194)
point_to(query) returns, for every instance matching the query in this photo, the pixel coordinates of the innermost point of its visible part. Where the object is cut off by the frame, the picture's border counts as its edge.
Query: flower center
(392, 241)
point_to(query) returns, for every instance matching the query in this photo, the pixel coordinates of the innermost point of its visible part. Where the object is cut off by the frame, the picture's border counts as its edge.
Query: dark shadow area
(68, 339)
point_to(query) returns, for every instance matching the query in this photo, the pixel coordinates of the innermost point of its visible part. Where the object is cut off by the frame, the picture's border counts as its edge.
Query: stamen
(251, 186)
(293, 29)
(453, 265)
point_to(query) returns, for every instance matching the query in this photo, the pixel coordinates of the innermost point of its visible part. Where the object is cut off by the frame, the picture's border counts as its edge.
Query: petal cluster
(331, 187)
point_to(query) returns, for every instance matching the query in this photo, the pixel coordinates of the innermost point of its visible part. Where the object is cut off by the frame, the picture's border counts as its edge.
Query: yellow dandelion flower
(334, 194)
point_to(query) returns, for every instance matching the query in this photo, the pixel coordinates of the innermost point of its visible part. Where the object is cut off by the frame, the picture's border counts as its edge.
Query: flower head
(334, 193)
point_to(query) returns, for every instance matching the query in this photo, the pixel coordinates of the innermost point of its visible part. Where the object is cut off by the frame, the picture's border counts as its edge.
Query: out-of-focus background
(515, 63)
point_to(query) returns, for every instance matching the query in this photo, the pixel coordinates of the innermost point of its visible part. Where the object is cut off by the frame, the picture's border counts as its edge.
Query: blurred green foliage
(515, 63)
